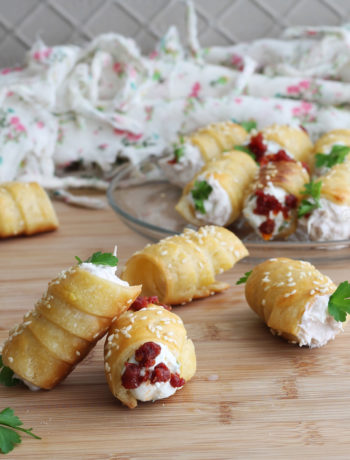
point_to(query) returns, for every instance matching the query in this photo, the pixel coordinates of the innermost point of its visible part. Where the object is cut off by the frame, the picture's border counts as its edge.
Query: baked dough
(294, 140)
(183, 267)
(25, 209)
(336, 183)
(281, 290)
(74, 313)
(288, 176)
(214, 139)
(152, 324)
(233, 171)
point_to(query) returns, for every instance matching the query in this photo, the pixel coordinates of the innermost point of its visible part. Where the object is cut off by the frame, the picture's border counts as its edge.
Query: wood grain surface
(253, 396)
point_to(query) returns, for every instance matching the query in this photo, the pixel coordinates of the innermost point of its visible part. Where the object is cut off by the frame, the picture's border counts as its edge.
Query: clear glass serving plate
(148, 208)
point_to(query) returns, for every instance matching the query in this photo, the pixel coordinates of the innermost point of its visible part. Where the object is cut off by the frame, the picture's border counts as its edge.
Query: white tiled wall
(219, 21)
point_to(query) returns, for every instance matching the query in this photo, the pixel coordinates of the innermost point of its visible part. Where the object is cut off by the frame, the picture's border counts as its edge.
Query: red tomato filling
(143, 302)
(145, 356)
(266, 203)
(257, 146)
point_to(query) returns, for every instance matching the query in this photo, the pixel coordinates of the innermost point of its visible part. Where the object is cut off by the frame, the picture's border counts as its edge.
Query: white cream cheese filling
(217, 206)
(329, 222)
(273, 147)
(255, 220)
(317, 327)
(182, 172)
(148, 391)
(105, 272)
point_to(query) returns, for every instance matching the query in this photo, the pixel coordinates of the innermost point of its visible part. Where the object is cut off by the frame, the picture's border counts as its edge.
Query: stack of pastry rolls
(284, 153)
(192, 152)
(292, 298)
(329, 219)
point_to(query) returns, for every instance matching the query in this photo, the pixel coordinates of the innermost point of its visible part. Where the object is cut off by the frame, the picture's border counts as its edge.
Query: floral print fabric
(84, 108)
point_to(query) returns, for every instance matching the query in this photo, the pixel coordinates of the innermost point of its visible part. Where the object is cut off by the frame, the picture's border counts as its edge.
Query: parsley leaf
(179, 149)
(248, 125)
(336, 156)
(246, 149)
(313, 189)
(6, 375)
(201, 192)
(101, 258)
(8, 437)
(339, 302)
(244, 278)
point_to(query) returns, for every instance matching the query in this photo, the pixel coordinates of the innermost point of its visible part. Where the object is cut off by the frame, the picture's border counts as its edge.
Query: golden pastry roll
(66, 323)
(25, 209)
(293, 140)
(216, 194)
(292, 298)
(183, 267)
(147, 354)
(271, 207)
(331, 149)
(192, 152)
(325, 212)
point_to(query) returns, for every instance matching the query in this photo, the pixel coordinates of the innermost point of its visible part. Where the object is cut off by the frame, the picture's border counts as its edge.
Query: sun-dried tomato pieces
(146, 354)
(161, 373)
(267, 228)
(131, 376)
(266, 203)
(257, 146)
(176, 381)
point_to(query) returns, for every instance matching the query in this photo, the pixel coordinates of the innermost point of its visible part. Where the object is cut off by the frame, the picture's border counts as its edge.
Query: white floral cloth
(86, 107)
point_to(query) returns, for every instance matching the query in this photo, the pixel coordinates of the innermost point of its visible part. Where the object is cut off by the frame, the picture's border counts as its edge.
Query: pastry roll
(147, 354)
(292, 298)
(271, 207)
(294, 141)
(330, 149)
(191, 153)
(329, 214)
(66, 323)
(183, 267)
(25, 209)
(216, 194)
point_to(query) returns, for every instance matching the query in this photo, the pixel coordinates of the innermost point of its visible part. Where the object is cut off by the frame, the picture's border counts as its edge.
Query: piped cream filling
(105, 272)
(182, 172)
(217, 206)
(255, 220)
(329, 222)
(317, 327)
(148, 391)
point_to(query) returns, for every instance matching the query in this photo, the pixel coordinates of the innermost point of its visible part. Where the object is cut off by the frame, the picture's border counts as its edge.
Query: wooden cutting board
(253, 396)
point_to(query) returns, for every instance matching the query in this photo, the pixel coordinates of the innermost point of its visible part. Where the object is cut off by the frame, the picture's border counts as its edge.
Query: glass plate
(148, 208)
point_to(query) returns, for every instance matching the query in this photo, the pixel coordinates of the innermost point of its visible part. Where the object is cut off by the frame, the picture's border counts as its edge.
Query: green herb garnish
(101, 258)
(313, 189)
(201, 192)
(336, 156)
(8, 437)
(244, 278)
(6, 375)
(339, 302)
(179, 149)
(248, 125)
